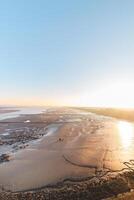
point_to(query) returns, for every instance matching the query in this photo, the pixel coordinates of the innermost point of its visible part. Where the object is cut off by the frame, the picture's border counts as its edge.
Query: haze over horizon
(67, 53)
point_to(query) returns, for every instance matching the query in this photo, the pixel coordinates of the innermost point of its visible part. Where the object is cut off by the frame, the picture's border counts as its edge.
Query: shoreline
(70, 159)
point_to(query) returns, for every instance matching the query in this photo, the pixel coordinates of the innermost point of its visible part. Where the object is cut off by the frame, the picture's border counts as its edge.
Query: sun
(119, 95)
(115, 94)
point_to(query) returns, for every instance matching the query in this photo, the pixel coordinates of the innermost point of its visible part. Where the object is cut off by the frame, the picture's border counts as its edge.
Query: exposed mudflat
(63, 152)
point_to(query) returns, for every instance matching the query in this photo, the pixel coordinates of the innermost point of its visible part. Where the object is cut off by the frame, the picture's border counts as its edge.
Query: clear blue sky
(64, 50)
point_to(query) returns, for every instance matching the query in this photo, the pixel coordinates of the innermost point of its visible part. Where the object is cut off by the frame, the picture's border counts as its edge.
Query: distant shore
(119, 113)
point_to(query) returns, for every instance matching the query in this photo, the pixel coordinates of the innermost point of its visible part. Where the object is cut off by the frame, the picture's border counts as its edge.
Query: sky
(67, 52)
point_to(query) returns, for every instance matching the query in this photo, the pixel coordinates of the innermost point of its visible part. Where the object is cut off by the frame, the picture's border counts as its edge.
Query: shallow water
(21, 111)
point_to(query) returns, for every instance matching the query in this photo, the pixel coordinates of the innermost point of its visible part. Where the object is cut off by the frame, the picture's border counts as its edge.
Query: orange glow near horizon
(118, 95)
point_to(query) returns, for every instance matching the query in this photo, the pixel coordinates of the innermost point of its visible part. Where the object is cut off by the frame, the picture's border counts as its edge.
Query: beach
(66, 153)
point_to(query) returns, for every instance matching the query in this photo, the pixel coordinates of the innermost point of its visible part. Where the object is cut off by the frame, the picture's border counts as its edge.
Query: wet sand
(91, 147)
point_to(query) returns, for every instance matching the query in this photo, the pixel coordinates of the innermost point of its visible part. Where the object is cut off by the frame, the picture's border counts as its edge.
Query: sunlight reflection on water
(126, 132)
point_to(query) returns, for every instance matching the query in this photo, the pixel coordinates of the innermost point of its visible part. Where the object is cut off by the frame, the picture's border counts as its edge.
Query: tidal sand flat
(76, 155)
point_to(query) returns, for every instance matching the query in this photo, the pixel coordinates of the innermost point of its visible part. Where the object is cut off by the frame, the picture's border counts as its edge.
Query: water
(21, 111)
(51, 129)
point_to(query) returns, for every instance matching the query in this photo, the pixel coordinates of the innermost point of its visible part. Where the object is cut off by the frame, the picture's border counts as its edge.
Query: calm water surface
(21, 111)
